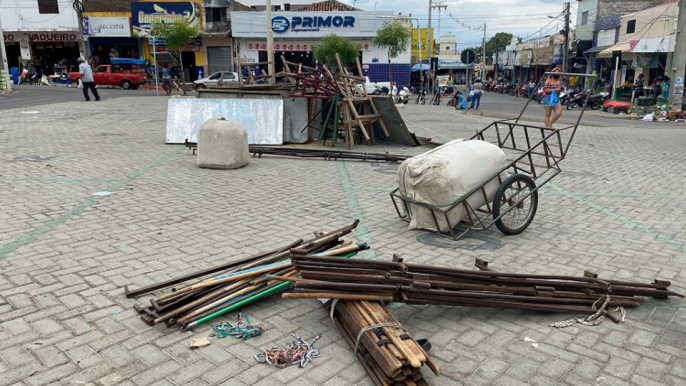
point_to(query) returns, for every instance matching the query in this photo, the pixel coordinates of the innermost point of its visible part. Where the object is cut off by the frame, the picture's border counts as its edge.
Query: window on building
(631, 26)
(48, 6)
(216, 14)
(584, 18)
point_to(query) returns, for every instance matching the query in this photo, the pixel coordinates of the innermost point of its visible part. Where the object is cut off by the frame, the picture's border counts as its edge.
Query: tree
(397, 38)
(332, 45)
(176, 35)
(497, 43)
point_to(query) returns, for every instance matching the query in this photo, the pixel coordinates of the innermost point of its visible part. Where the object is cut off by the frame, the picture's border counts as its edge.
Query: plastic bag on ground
(445, 174)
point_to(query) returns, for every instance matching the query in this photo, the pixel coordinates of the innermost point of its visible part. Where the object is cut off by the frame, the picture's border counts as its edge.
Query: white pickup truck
(370, 86)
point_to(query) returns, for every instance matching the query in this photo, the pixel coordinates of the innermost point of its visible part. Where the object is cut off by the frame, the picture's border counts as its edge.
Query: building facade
(43, 33)
(296, 33)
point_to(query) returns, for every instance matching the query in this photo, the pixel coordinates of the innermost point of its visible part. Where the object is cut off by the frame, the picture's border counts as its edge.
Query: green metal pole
(240, 304)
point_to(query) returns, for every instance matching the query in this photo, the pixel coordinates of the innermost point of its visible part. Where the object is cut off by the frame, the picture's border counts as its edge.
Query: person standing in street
(664, 86)
(166, 78)
(87, 80)
(476, 91)
(638, 86)
(551, 100)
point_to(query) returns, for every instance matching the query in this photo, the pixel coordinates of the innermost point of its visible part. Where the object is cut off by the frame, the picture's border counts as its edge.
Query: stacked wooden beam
(230, 286)
(335, 278)
(350, 104)
(381, 344)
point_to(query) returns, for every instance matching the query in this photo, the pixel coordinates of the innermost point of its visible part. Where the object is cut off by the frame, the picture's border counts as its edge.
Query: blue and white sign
(107, 27)
(309, 24)
(282, 24)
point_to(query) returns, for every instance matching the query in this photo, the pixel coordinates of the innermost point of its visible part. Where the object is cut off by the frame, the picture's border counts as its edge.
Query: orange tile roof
(325, 6)
(242, 7)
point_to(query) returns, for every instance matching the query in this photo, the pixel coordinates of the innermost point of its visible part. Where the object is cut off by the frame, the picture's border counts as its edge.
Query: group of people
(660, 85)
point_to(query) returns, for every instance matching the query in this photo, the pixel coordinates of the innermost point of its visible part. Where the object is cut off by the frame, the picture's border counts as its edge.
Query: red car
(127, 75)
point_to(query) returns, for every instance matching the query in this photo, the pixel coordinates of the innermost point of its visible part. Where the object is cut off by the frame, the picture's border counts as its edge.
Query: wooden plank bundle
(335, 278)
(230, 286)
(381, 344)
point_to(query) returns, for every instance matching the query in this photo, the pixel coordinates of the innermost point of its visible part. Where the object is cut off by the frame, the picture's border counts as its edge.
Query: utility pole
(78, 7)
(4, 70)
(439, 7)
(270, 44)
(565, 47)
(429, 42)
(679, 69)
(483, 54)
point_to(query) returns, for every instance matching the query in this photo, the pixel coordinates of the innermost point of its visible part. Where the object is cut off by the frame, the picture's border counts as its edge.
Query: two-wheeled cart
(533, 153)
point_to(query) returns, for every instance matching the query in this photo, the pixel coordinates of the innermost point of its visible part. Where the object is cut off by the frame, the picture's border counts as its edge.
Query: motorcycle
(29, 77)
(594, 101)
(403, 96)
(454, 99)
(383, 90)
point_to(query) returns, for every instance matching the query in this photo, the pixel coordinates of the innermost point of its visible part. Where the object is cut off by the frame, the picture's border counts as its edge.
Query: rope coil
(242, 330)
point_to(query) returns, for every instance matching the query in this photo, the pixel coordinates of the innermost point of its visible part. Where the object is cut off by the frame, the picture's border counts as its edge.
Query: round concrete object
(222, 144)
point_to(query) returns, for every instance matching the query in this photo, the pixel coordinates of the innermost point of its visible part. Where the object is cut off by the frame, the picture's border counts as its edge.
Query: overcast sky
(520, 17)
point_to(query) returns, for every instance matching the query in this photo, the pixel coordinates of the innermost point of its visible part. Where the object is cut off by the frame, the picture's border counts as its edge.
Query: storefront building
(110, 37)
(45, 34)
(295, 34)
(144, 15)
(645, 45)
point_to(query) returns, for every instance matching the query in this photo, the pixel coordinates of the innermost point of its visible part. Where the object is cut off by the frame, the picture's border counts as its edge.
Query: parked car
(127, 73)
(213, 80)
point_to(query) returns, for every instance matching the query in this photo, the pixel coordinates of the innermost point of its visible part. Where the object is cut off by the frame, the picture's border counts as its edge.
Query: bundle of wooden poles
(385, 349)
(356, 279)
(232, 285)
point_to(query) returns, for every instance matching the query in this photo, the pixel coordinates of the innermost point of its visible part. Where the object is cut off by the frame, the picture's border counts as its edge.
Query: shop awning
(595, 50)
(623, 46)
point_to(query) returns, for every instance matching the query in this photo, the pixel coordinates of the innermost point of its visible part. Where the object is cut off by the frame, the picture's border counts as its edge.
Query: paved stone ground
(618, 209)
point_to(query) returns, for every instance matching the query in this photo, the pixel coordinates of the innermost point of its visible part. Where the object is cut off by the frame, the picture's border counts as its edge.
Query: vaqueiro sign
(282, 24)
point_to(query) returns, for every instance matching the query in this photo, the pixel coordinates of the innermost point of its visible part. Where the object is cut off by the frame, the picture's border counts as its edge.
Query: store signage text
(43, 37)
(144, 15)
(296, 47)
(282, 24)
(107, 26)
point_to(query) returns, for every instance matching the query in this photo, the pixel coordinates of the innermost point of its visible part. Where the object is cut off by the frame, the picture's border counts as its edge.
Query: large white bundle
(445, 174)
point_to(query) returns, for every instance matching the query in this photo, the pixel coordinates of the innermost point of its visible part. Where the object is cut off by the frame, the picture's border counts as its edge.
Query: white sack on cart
(443, 175)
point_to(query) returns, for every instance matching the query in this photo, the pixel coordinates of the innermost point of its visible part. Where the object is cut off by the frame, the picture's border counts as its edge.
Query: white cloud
(519, 17)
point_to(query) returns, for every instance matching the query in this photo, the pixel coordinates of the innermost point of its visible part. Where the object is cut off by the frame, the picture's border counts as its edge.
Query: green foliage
(177, 35)
(332, 44)
(497, 43)
(394, 36)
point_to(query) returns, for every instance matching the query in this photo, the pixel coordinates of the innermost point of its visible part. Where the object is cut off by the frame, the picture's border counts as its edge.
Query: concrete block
(222, 144)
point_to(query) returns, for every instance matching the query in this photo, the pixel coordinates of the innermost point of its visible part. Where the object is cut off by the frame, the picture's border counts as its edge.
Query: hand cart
(532, 163)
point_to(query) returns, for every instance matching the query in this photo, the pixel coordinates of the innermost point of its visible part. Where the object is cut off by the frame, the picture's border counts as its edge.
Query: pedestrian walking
(551, 100)
(476, 90)
(87, 80)
(166, 78)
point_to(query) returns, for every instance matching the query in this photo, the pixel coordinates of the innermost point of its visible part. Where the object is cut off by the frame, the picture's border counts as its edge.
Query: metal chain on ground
(299, 352)
(595, 319)
(242, 330)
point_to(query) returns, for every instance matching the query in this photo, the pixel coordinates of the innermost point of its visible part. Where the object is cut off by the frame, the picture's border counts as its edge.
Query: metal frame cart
(534, 155)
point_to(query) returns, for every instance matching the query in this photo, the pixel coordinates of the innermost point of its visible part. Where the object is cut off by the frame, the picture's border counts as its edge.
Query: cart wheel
(509, 193)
